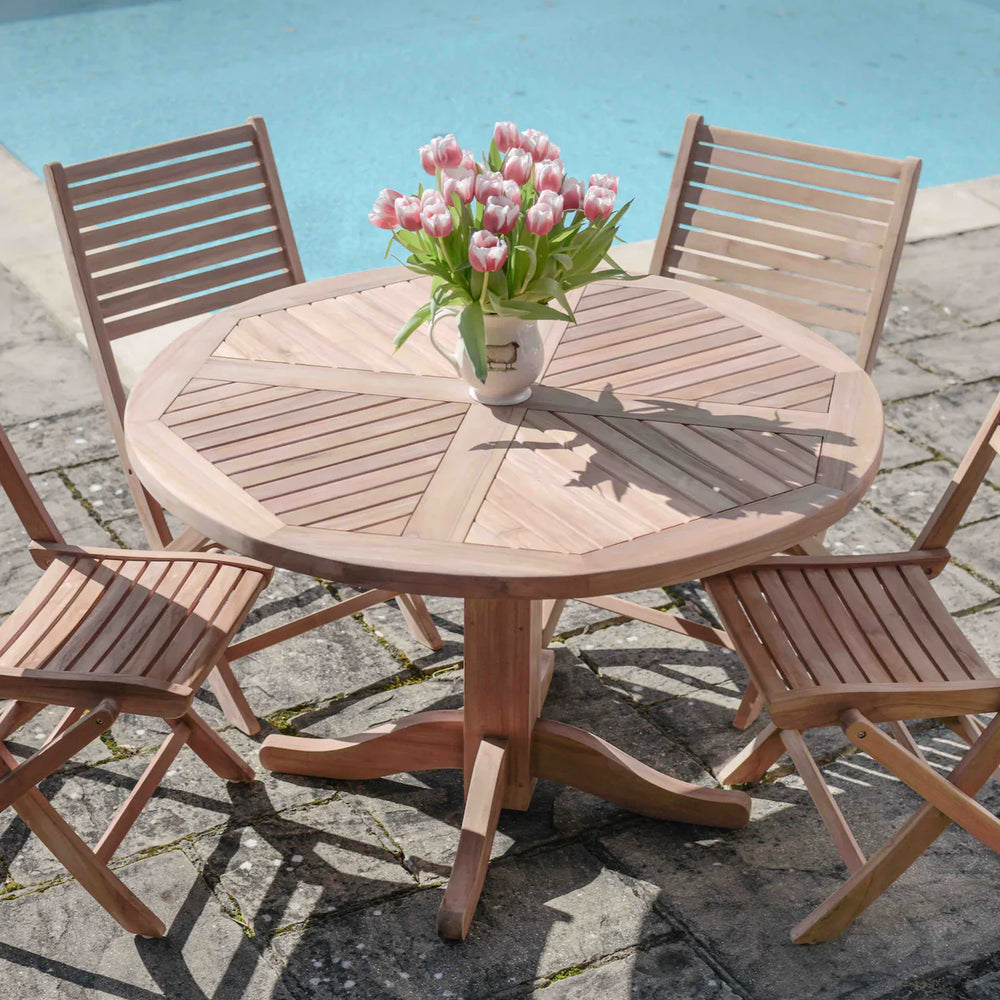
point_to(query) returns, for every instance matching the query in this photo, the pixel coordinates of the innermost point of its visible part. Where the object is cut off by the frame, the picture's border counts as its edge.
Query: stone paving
(296, 888)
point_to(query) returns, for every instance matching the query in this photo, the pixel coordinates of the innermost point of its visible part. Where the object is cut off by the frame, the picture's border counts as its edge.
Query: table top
(677, 431)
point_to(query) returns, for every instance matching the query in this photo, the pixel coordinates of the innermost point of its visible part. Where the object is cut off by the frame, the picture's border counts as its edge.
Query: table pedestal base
(503, 747)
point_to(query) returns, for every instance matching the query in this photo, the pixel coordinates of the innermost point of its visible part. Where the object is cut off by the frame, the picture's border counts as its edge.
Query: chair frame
(794, 164)
(857, 708)
(163, 175)
(93, 704)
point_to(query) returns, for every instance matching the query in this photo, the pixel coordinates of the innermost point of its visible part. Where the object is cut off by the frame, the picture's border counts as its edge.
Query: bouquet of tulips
(504, 235)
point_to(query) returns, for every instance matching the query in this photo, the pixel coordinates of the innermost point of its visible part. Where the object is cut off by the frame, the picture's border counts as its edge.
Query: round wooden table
(677, 431)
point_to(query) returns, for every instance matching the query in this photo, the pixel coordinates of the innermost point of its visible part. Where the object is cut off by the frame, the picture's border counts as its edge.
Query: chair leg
(141, 793)
(833, 819)
(750, 707)
(80, 861)
(231, 698)
(844, 906)
(53, 754)
(419, 621)
(213, 749)
(754, 759)
(551, 613)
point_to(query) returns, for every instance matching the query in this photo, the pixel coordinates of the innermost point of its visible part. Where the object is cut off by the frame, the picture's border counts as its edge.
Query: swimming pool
(350, 91)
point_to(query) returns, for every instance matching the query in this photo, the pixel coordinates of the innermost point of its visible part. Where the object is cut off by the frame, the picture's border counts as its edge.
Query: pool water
(350, 90)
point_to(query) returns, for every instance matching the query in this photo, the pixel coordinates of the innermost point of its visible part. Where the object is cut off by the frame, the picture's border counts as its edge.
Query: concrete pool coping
(30, 248)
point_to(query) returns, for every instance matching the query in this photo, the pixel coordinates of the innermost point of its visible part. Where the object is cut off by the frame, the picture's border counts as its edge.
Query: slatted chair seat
(130, 624)
(859, 640)
(106, 631)
(836, 633)
(172, 232)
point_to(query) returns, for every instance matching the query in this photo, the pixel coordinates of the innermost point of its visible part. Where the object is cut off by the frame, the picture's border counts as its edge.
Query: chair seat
(144, 627)
(817, 634)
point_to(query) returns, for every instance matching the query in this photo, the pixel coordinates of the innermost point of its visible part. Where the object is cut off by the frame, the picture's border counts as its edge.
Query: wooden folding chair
(170, 232)
(812, 232)
(106, 631)
(858, 640)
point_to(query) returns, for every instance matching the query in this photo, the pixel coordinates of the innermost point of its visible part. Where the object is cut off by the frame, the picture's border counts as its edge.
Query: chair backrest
(22, 494)
(969, 476)
(165, 233)
(812, 232)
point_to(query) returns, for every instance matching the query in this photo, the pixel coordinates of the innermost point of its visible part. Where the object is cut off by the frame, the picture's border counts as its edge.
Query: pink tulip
(460, 182)
(383, 213)
(433, 195)
(608, 181)
(512, 190)
(408, 213)
(487, 252)
(468, 160)
(549, 175)
(540, 218)
(446, 151)
(427, 160)
(490, 184)
(598, 202)
(436, 220)
(572, 192)
(500, 215)
(517, 166)
(538, 145)
(555, 201)
(506, 136)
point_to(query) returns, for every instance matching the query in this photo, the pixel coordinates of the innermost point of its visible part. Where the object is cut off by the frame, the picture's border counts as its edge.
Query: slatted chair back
(812, 232)
(951, 508)
(22, 494)
(165, 233)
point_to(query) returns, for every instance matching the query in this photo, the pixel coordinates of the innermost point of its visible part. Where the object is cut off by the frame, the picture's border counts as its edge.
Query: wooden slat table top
(677, 431)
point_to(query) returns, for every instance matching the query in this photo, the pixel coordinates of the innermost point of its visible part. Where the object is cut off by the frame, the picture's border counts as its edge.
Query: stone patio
(295, 888)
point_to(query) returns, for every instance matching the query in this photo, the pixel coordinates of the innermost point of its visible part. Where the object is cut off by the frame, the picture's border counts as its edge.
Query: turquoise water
(350, 91)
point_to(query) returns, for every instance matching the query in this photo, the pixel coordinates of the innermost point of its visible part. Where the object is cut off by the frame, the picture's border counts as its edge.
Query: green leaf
(520, 309)
(470, 325)
(552, 289)
(417, 319)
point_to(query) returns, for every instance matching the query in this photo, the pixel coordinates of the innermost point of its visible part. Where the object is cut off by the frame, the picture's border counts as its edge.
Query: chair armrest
(45, 552)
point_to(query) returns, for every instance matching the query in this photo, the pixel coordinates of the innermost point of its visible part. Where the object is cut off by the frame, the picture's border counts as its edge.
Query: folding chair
(858, 640)
(106, 631)
(171, 232)
(812, 232)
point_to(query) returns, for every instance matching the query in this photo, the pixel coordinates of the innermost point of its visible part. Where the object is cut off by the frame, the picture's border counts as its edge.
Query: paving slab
(966, 355)
(61, 944)
(912, 316)
(538, 915)
(898, 450)
(959, 274)
(669, 971)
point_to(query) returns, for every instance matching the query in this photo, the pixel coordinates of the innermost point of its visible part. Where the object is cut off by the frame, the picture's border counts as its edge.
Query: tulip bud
(446, 151)
(598, 202)
(427, 160)
(436, 220)
(468, 160)
(408, 213)
(538, 145)
(608, 181)
(572, 192)
(432, 195)
(500, 215)
(554, 201)
(486, 252)
(539, 219)
(512, 190)
(549, 175)
(460, 182)
(490, 183)
(383, 213)
(517, 166)
(505, 135)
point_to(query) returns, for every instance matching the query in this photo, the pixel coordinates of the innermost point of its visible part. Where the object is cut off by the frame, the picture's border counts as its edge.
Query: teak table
(676, 432)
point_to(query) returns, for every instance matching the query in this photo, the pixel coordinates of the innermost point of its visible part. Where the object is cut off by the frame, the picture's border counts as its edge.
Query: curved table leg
(479, 824)
(421, 742)
(575, 757)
